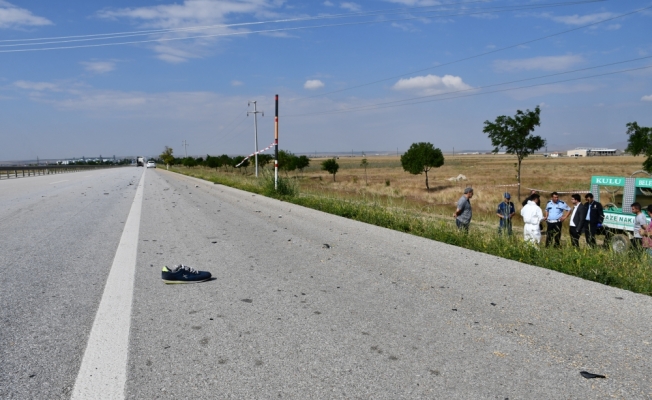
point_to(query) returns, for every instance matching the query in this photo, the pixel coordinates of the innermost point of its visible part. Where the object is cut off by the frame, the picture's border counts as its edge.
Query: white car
(151, 164)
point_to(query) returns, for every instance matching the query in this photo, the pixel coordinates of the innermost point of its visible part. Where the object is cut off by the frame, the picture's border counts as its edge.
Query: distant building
(591, 152)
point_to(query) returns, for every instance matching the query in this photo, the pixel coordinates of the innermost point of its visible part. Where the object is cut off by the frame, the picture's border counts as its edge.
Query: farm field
(385, 181)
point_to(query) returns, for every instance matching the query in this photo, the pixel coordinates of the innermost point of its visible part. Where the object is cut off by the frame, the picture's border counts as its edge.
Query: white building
(591, 152)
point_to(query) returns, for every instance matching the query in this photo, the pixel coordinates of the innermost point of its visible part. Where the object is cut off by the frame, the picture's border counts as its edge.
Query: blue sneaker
(184, 274)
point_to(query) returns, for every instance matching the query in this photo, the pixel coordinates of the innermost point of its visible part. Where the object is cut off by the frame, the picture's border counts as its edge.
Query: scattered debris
(247, 300)
(589, 375)
(458, 178)
(326, 246)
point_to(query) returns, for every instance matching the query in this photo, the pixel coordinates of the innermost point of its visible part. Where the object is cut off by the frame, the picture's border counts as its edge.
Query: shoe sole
(167, 282)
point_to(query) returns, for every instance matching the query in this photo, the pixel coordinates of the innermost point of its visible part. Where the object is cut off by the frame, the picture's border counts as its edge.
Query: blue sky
(82, 78)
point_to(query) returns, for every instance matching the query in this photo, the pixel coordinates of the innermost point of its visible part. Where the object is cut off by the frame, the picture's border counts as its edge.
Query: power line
(395, 102)
(390, 11)
(531, 7)
(477, 55)
(386, 105)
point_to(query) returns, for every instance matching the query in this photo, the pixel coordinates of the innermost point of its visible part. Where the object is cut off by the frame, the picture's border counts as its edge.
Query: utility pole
(276, 143)
(185, 147)
(255, 112)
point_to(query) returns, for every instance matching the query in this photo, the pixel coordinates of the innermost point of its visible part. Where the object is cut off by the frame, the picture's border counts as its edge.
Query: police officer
(555, 213)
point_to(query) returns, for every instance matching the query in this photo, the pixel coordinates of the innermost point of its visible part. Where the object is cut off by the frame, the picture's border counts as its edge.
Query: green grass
(630, 270)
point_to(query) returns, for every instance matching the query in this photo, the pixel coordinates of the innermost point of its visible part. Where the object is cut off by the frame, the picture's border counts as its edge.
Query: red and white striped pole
(276, 146)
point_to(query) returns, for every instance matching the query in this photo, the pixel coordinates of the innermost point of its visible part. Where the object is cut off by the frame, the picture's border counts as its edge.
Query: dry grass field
(387, 183)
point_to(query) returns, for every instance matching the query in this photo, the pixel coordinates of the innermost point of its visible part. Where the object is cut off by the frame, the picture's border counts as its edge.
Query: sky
(80, 78)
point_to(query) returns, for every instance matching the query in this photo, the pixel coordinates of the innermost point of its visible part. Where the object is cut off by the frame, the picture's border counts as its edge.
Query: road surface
(304, 304)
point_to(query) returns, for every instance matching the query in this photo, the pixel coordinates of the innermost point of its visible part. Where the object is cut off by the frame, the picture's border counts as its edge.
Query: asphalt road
(375, 314)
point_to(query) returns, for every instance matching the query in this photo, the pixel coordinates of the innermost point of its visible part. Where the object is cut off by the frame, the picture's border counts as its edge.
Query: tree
(213, 162)
(189, 162)
(331, 166)
(302, 162)
(364, 164)
(287, 161)
(515, 136)
(226, 161)
(640, 142)
(239, 159)
(167, 156)
(422, 157)
(264, 159)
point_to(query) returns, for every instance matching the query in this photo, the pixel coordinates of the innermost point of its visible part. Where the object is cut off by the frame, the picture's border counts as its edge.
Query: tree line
(287, 161)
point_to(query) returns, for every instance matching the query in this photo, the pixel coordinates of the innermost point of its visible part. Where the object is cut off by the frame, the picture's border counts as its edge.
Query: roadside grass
(629, 270)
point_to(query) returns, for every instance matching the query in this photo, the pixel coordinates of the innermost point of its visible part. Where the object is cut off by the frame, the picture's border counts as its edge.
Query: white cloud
(432, 84)
(237, 83)
(313, 84)
(98, 67)
(15, 17)
(191, 13)
(549, 63)
(646, 98)
(350, 6)
(37, 86)
(328, 4)
(577, 20)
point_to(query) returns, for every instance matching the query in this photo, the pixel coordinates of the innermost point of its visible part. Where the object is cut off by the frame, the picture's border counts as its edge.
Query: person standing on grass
(532, 216)
(640, 222)
(576, 220)
(505, 212)
(556, 212)
(528, 198)
(646, 234)
(463, 213)
(525, 203)
(593, 220)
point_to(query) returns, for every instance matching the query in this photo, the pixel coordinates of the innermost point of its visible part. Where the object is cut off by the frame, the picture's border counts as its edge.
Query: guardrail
(23, 172)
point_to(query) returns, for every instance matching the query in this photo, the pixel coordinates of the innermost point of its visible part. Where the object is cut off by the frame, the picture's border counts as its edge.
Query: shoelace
(187, 268)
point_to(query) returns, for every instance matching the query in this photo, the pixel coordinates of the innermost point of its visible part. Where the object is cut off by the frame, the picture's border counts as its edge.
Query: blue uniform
(556, 210)
(506, 210)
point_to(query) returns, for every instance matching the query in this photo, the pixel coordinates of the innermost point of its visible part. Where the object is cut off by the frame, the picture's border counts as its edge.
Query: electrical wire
(478, 55)
(391, 11)
(159, 40)
(379, 106)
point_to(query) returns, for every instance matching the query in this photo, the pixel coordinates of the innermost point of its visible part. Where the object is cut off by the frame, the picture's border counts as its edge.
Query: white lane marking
(103, 371)
(59, 182)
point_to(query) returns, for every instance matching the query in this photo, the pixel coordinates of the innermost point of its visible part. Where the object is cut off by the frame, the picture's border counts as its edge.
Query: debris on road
(589, 375)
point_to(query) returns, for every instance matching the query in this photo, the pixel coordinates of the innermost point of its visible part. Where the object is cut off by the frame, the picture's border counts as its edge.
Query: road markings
(103, 371)
(59, 182)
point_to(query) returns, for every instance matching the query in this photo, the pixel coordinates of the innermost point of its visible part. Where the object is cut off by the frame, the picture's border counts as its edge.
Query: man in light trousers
(532, 216)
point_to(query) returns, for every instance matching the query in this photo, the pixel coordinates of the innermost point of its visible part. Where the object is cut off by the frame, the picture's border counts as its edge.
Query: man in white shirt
(576, 219)
(532, 216)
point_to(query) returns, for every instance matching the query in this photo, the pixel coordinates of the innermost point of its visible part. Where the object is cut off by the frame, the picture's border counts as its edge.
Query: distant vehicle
(140, 162)
(151, 164)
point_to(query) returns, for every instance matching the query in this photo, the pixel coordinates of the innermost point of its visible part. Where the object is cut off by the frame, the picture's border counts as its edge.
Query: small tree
(331, 166)
(640, 142)
(287, 161)
(167, 156)
(422, 157)
(364, 164)
(514, 134)
(226, 161)
(302, 162)
(213, 162)
(239, 159)
(264, 159)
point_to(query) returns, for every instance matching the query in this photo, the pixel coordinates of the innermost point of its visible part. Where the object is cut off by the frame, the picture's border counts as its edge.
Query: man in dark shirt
(593, 219)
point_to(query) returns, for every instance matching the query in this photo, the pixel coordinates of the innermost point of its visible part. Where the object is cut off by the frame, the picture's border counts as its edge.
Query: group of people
(585, 218)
